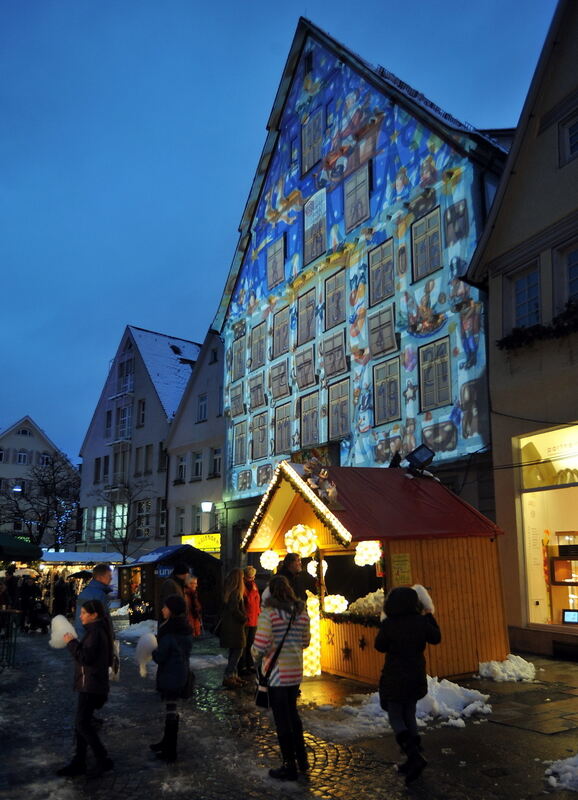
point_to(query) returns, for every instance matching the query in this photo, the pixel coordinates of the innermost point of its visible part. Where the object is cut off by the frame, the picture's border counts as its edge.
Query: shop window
(339, 410)
(257, 391)
(334, 360)
(310, 420)
(279, 378)
(568, 139)
(260, 436)
(237, 405)
(356, 198)
(386, 391)
(382, 332)
(381, 279)
(311, 140)
(239, 357)
(314, 227)
(240, 443)
(281, 332)
(305, 367)
(306, 317)
(258, 344)
(276, 262)
(425, 237)
(283, 428)
(434, 366)
(335, 300)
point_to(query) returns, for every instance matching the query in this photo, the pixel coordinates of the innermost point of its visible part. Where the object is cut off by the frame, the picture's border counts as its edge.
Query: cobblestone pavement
(227, 744)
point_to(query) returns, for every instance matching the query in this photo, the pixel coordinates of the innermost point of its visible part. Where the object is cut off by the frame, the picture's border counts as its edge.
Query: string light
(367, 553)
(270, 559)
(312, 655)
(335, 603)
(301, 539)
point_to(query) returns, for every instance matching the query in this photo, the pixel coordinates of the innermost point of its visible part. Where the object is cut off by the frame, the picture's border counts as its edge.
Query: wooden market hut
(428, 535)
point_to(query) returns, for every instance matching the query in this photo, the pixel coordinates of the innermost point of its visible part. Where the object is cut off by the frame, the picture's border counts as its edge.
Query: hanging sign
(400, 569)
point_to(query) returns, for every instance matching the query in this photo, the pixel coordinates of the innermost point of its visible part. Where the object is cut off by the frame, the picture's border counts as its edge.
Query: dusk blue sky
(130, 131)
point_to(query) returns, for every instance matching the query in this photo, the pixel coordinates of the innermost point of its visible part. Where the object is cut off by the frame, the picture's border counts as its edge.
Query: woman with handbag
(175, 641)
(282, 635)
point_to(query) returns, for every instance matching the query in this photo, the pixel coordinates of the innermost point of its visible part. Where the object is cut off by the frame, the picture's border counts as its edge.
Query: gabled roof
(475, 273)
(446, 126)
(169, 362)
(381, 503)
(26, 420)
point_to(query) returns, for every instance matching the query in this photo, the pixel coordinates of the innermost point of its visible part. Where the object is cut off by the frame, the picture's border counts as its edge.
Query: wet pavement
(227, 744)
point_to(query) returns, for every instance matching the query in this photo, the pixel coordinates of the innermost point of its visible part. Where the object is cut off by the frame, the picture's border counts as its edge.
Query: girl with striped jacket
(284, 612)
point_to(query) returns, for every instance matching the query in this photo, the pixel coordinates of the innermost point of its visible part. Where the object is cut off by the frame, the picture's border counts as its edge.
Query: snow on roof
(169, 362)
(50, 557)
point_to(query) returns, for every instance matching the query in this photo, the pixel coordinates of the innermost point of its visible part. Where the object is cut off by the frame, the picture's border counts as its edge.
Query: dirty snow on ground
(446, 703)
(563, 774)
(134, 632)
(514, 668)
(122, 611)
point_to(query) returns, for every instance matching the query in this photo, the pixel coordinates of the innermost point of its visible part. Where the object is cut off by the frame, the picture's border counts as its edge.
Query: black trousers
(246, 661)
(85, 731)
(283, 702)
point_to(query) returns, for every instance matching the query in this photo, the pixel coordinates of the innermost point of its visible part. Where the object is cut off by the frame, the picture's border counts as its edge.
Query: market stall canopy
(173, 553)
(370, 503)
(49, 557)
(14, 549)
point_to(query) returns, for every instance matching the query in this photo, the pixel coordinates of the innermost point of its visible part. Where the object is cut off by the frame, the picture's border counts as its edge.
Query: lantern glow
(335, 603)
(269, 559)
(301, 539)
(312, 655)
(312, 567)
(367, 553)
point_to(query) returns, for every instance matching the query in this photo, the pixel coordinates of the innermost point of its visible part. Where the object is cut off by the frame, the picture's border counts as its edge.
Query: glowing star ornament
(335, 603)
(312, 567)
(367, 553)
(270, 559)
(301, 539)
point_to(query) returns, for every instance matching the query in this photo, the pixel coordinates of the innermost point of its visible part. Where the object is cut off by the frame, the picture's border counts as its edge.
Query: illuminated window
(434, 366)
(276, 262)
(314, 227)
(258, 344)
(339, 410)
(382, 332)
(257, 391)
(279, 377)
(237, 405)
(240, 443)
(335, 300)
(310, 420)
(381, 279)
(311, 140)
(283, 428)
(356, 194)
(386, 391)
(260, 436)
(239, 358)
(425, 237)
(281, 332)
(100, 520)
(305, 367)
(306, 317)
(334, 360)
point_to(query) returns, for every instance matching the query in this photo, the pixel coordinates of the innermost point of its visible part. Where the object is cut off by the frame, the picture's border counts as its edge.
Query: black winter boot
(286, 772)
(76, 767)
(416, 763)
(169, 751)
(157, 747)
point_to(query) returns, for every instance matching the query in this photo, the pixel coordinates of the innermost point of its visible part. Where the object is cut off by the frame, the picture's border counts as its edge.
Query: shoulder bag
(262, 692)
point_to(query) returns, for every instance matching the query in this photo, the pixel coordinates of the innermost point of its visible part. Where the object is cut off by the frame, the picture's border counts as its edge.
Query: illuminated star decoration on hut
(316, 476)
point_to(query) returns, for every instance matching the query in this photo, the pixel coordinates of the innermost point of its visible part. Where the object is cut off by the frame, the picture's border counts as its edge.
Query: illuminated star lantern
(269, 559)
(301, 539)
(367, 553)
(312, 567)
(335, 603)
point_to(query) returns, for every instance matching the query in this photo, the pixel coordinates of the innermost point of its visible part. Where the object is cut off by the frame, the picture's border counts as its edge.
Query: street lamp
(206, 506)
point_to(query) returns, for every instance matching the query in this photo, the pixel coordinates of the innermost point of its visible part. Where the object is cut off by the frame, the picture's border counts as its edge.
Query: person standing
(60, 597)
(27, 597)
(232, 628)
(402, 636)
(174, 584)
(12, 586)
(194, 609)
(300, 581)
(93, 657)
(252, 604)
(175, 640)
(284, 615)
(98, 588)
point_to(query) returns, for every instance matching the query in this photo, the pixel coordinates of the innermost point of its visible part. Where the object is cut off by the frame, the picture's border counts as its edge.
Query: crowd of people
(36, 598)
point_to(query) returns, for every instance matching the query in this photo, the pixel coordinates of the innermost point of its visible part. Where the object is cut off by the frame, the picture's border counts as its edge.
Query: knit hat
(175, 604)
(180, 568)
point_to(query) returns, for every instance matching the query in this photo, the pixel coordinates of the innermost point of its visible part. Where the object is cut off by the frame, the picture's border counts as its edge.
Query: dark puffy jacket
(300, 582)
(233, 619)
(403, 639)
(175, 639)
(94, 590)
(93, 657)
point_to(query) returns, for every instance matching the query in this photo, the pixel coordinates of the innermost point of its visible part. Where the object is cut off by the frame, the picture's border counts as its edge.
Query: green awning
(14, 549)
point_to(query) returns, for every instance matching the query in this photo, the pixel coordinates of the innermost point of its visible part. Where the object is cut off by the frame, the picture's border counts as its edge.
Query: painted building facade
(348, 332)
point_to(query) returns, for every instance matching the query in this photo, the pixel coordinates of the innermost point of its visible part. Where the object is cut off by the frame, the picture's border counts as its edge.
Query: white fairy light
(335, 603)
(312, 655)
(270, 559)
(367, 553)
(301, 539)
(312, 567)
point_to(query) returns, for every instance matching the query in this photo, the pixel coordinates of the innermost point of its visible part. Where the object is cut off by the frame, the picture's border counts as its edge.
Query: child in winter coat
(408, 626)
(93, 657)
(175, 641)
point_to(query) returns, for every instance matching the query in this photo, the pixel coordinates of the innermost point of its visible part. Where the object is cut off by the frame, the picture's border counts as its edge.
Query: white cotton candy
(424, 598)
(58, 627)
(143, 653)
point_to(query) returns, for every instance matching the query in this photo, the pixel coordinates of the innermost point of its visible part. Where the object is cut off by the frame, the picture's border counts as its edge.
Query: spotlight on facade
(420, 458)
(206, 506)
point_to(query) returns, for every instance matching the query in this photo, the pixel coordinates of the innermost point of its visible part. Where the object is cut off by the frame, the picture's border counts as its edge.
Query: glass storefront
(549, 484)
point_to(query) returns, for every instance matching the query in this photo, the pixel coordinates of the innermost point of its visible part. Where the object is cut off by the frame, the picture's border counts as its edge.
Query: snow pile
(514, 668)
(362, 715)
(207, 661)
(134, 632)
(370, 605)
(143, 653)
(563, 774)
(120, 612)
(58, 627)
